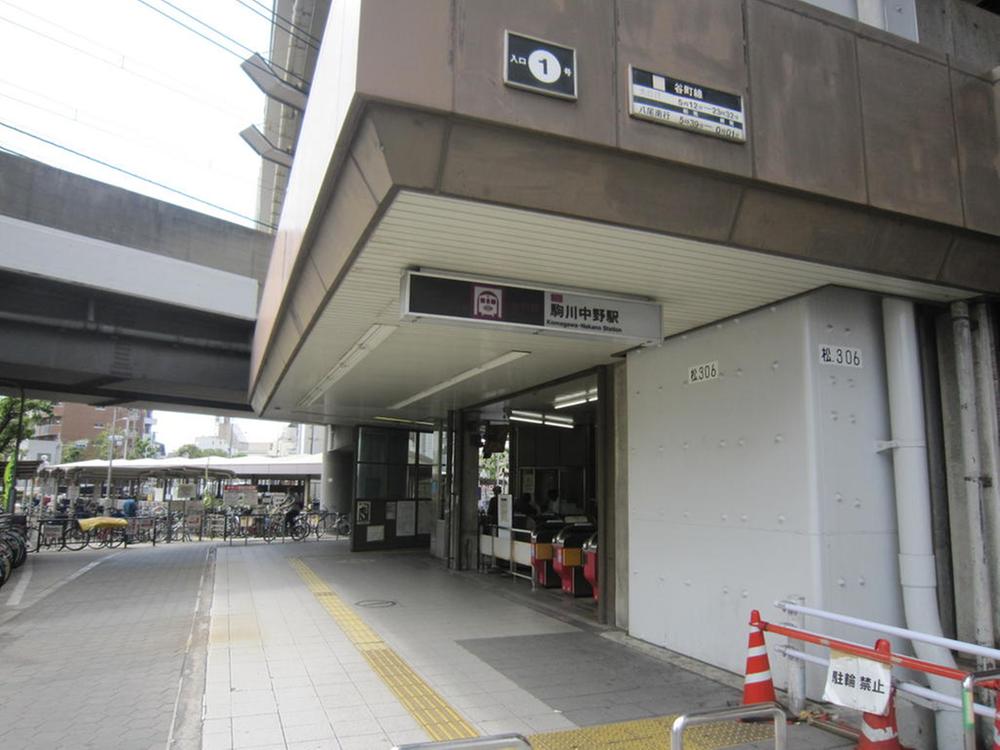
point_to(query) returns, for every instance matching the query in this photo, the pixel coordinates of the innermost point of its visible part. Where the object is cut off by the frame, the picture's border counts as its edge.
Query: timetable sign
(689, 106)
(539, 66)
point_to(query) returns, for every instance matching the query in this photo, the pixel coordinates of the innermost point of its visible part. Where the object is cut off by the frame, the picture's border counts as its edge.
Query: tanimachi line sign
(681, 104)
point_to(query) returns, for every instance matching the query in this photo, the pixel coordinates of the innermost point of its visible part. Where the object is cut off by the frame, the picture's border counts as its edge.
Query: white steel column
(918, 576)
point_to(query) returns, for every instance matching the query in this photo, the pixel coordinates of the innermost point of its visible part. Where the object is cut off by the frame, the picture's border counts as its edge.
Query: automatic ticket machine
(542, 555)
(567, 548)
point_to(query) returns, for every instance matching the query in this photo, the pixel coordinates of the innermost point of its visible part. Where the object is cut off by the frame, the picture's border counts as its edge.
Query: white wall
(763, 482)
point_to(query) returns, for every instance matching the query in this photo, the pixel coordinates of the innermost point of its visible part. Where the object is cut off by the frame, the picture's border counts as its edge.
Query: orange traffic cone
(757, 685)
(879, 732)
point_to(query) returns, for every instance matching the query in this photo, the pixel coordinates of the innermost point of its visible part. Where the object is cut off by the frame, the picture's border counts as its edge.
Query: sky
(117, 81)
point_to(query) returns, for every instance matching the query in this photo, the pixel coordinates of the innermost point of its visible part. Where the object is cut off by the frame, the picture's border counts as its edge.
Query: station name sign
(681, 104)
(494, 303)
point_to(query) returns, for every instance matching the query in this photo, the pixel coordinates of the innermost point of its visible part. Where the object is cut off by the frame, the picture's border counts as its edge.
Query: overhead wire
(217, 43)
(290, 31)
(93, 123)
(280, 17)
(209, 102)
(135, 175)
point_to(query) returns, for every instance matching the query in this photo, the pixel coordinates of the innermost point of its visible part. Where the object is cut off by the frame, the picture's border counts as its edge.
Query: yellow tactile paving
(651, 734)
(428, 709)
(442, 722)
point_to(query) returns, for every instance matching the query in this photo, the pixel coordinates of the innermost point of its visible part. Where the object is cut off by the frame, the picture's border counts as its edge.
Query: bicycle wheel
(6, 566)
(97, 539)
(300, 529)
(269, 531)
(343, 527)
(319, 526)
(18, 545)
(115, 538)
(75, 538)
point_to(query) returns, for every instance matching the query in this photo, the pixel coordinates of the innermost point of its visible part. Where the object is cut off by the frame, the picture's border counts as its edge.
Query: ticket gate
(567, 547)
(590, 563)
(542, 554)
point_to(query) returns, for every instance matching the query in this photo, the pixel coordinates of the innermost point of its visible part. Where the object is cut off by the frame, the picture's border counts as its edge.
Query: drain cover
(375, 603)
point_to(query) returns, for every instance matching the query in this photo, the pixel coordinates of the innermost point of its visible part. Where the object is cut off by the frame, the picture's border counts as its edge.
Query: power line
(93, 124)
(277, 15)
(80, 50)
(133, 174)
(273, 22)
(209, 39)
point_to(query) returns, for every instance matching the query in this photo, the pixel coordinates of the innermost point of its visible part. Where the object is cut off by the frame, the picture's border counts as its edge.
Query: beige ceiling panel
(696, 283)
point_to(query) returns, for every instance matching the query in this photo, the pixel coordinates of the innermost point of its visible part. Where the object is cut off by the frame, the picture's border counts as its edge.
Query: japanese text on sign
(855, 682)
(843, 356)
(701, 373)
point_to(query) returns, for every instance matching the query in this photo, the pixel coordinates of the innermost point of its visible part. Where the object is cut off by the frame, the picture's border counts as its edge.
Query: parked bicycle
(13, 548)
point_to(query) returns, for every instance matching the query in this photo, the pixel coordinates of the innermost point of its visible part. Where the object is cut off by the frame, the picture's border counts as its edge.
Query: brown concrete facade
(864, 151)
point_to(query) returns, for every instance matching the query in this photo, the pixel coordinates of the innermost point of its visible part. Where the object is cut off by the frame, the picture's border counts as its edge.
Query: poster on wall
(364, 512)
(505, 511)
(406, 518)
(375, 534)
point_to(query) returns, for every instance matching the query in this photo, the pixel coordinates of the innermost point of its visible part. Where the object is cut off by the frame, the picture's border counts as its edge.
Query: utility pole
(111, 458)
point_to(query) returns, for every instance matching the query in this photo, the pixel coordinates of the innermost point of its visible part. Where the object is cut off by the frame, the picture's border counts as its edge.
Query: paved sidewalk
(306, 645)
(288, 664)
(96, 662)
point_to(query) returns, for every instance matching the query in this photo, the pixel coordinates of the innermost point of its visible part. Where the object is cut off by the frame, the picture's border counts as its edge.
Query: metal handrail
(909, 688)
(878, 627)
(968, 718)
(493, 742)
(857, 649)
(754, 710)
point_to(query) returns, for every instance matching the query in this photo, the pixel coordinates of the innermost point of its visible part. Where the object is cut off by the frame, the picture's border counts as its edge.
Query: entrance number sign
(539, 66)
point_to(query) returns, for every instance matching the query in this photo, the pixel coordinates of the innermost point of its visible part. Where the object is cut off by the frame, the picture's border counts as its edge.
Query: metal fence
(62, 532)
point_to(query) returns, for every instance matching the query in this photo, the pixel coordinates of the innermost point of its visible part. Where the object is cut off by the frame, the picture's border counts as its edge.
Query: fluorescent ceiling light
(534, 417)
(401, 420)
(525, 419)
(361, 349)
(575, 399)
(525, 414)
(503, 359)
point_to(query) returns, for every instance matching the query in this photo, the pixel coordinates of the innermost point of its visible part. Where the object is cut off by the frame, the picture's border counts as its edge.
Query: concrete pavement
(309, 646)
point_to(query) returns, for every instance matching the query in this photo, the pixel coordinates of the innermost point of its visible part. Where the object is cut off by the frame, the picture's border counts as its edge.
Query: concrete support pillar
(467, 523)
(619, 562)
(604, 460)
(337, 479)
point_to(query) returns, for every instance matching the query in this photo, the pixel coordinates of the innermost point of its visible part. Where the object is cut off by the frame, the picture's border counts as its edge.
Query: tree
(72, 453)
(13, 420)
(35, 411)
(188, 450)
(496, 468)
(142, 448)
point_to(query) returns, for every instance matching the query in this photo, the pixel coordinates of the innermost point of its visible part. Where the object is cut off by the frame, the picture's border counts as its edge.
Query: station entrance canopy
(427, 147)
(212, 466)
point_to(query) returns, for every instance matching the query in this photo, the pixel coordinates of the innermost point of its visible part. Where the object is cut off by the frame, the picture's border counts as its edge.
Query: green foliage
(10, 408)
(190, 450)
(496, 468)
(142, 448)
(72, 453)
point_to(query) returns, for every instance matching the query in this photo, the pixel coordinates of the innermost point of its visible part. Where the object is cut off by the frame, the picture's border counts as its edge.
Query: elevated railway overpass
(109, 297)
